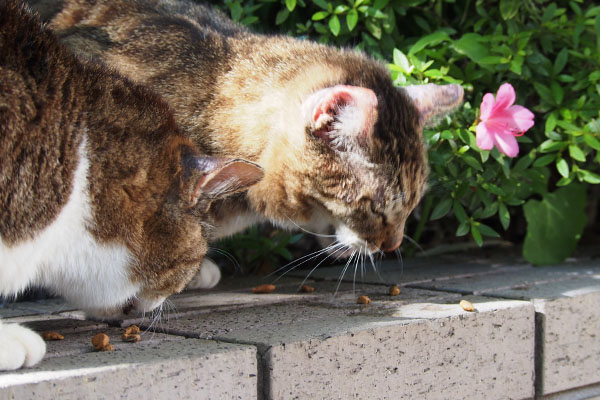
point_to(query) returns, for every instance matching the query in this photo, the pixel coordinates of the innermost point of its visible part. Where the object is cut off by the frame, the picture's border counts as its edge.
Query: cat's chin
(133, 308)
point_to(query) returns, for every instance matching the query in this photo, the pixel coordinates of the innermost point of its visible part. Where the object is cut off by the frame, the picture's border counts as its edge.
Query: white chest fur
(67, 259)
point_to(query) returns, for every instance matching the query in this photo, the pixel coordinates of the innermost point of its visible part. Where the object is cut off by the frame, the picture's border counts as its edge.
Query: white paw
(208, 276)
(19, 347)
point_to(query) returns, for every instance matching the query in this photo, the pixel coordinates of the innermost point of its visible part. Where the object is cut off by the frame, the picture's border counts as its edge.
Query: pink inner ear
(337, 96)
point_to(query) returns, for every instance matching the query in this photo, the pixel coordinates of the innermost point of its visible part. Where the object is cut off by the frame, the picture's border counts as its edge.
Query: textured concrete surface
(184, 369)
(533, 329)
(566, 300)
(420, 344)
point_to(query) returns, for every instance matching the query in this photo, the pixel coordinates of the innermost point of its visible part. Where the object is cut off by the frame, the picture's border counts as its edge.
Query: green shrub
(548, 50)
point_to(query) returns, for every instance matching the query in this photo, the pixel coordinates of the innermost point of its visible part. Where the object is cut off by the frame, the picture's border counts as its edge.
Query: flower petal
(505, 97)
(522, 117)
(485, 139)
(487, 103)
(507, 144)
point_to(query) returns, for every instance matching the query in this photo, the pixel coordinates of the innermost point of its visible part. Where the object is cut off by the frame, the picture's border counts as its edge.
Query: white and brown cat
(341, 146)
(102, 200)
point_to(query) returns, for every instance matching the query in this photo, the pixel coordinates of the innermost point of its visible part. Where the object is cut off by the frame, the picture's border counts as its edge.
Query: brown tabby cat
(102, 200)
(341, 146)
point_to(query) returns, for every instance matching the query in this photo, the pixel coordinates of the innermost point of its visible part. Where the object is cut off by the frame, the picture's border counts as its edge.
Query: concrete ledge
(534, 334)
(420, 344)
(566, 299)
(182, 369)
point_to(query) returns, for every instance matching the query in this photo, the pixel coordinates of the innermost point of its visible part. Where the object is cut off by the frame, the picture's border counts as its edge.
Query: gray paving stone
(183, 369)
(419, 344)
(566, 299)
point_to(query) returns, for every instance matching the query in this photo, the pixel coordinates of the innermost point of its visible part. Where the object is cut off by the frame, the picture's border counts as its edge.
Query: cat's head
(167, 240)
(367, 167)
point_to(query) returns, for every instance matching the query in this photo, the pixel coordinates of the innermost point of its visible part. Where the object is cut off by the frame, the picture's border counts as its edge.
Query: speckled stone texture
(420, 344)
(566, 299)
(183, 369)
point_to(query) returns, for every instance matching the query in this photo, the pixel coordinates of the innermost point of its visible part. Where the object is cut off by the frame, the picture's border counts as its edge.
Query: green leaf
(504, 215)
(282, 15)
(374, 29)
(589, 176)
(322, 3)
(401, 61)
(509, 8)
(549, 13)
(441, 209)
(557, 92)
(352, 19)
(463, 228)
(576, 153)
(544, 160)
(554, 224)
(562, 167)
(459, 211)
(550, 146)
(380, 4)
(487, 231)
(320, 15)
(489, 210)
(429, 40)
(290, 4)
(560, 61)
(591, 141)
(334, 25)
(476, 236)
(470, 45)
(236, 11)
(472, 162)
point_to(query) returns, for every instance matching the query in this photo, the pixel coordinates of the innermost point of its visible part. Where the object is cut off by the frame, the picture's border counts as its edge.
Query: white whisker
(309, 232)
(321, 262)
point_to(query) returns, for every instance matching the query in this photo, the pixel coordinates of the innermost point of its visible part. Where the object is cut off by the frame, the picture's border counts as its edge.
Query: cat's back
(38, 146)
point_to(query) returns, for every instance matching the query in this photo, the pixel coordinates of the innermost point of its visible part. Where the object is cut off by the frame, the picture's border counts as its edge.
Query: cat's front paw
(208, 276)
(19, 347)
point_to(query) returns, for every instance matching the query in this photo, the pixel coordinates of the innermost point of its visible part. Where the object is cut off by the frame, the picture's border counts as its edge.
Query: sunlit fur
(355, 172)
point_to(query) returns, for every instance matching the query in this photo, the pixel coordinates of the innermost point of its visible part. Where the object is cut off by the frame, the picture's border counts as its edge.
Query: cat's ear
(341, 115)
(434, 101)
(218, 177)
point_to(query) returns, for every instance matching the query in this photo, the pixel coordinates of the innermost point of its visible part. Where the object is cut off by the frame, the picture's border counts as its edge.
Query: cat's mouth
(341, 242)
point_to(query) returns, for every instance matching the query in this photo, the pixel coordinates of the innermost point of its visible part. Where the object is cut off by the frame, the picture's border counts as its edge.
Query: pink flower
(501, 121)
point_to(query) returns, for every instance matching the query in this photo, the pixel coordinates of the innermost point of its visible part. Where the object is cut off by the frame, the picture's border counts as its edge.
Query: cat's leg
(208, 276)
(19, 347)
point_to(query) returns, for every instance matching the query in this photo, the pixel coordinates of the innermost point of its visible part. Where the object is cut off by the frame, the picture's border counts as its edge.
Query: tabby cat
(341, 146)
(102, 200)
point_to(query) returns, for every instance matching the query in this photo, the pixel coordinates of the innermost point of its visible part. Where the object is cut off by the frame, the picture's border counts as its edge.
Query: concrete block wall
(534, 333)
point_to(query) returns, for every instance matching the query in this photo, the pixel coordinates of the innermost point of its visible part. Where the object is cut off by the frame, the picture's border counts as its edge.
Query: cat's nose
(391, 244)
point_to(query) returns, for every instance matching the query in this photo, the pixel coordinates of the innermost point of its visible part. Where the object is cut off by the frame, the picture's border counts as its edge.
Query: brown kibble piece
(394, 290)
(131, 337)
(48, 336)
(267, 288)
(100, 341)
(307, 289)
(132, 330)
(108, 347)
(363, 300)
(467, 305)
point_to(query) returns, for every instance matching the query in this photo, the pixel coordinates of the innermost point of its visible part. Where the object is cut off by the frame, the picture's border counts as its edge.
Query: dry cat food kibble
(131, 334)
(132, 330)
(108, 347)
(101, 342)
(307, 289)
(267, 288)
(467, 305)
(394, 290)
(363, 300)
(132, 337)
(48, 336)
